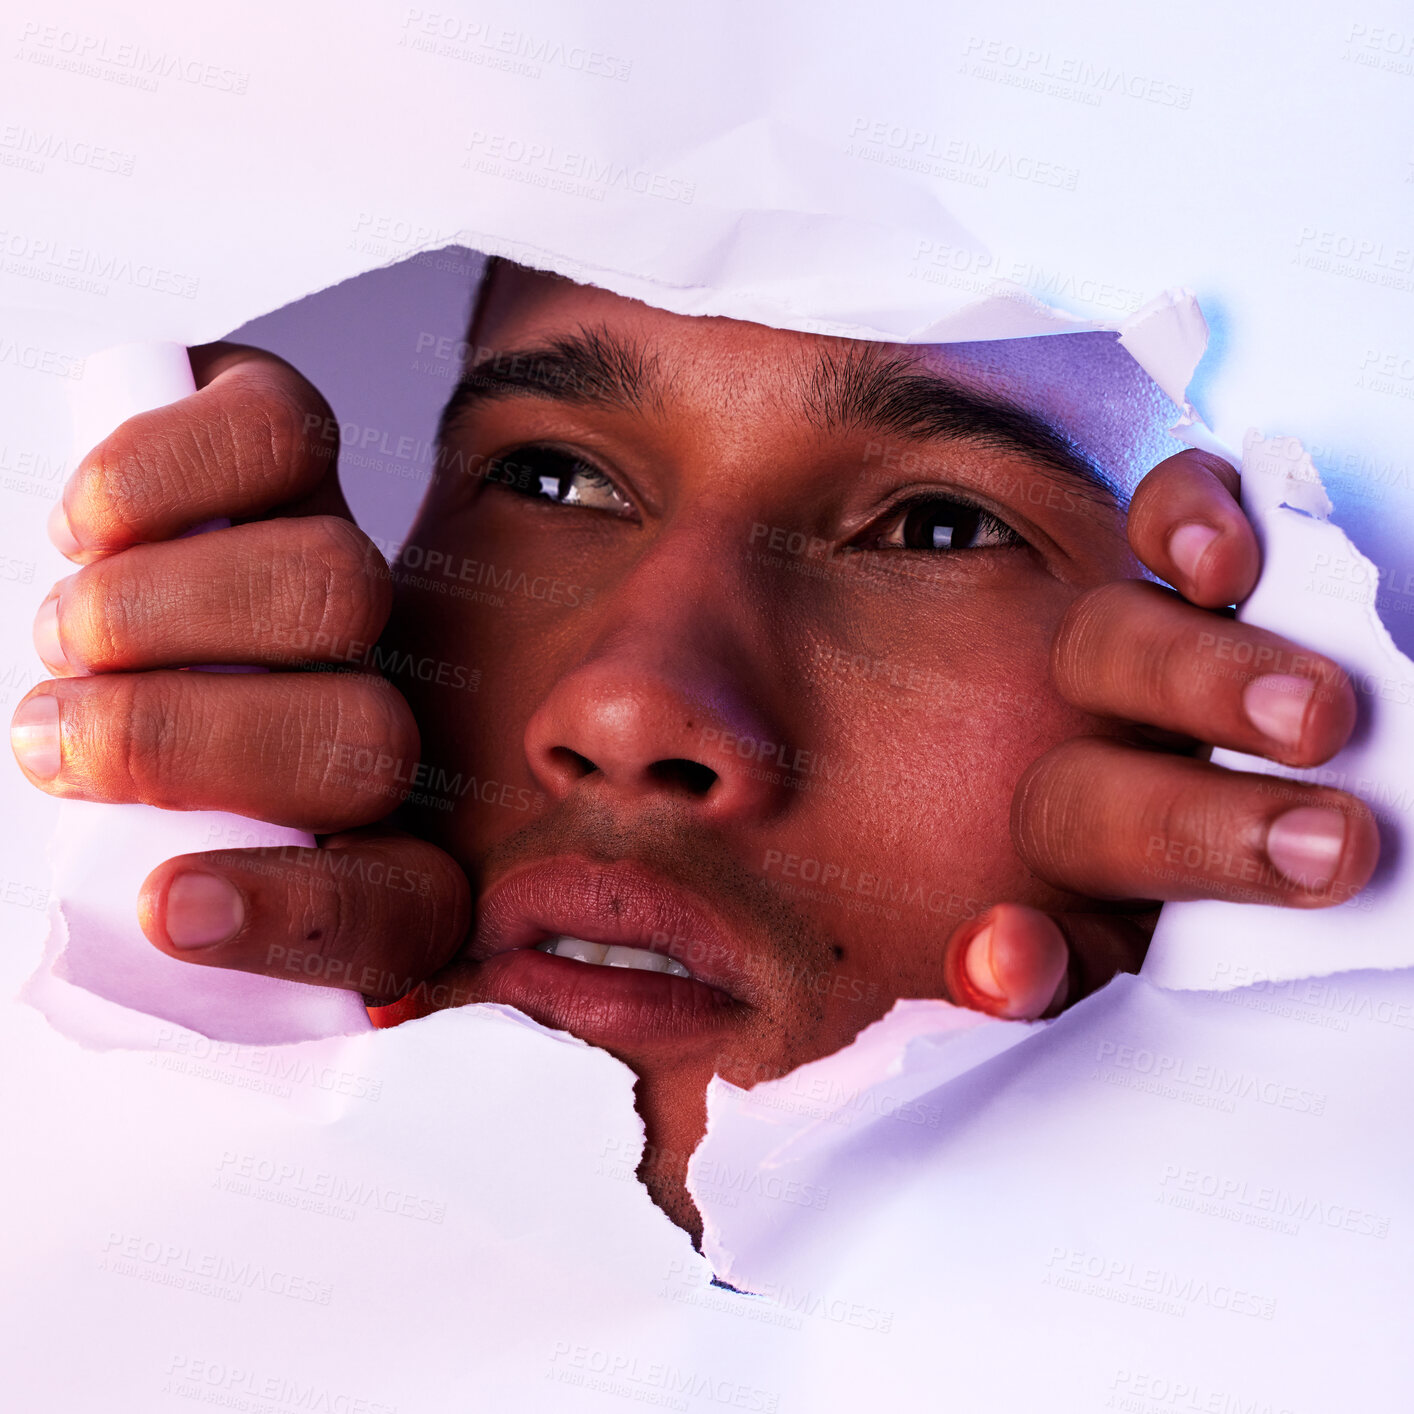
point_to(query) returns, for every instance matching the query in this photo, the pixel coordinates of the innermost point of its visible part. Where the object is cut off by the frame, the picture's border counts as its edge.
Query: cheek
(938, 724)
(495, 618)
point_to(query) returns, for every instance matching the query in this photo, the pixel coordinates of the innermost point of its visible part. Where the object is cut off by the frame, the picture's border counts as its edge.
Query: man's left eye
(941, 524)
(554, 474)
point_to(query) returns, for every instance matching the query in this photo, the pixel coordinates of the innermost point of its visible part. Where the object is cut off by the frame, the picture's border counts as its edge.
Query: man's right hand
(291, 585)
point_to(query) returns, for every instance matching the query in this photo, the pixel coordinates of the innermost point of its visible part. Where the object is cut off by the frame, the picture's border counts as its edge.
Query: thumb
(1012, 962)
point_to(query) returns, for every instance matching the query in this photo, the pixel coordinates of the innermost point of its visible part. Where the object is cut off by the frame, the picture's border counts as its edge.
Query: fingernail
(1276, 705)
(59, 532)
(978, 965)
(1187, 546)
(202, 910)
(34, 736)
(1305, 844)
(46, 635)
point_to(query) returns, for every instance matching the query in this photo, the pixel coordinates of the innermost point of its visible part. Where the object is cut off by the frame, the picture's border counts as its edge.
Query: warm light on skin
(914, 682)
(830, 672)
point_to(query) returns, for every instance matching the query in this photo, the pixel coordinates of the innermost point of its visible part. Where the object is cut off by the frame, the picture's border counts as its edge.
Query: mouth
(613, 953)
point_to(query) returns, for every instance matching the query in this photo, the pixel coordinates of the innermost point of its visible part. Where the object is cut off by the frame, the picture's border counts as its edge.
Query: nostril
(687, 777)
(571, 763)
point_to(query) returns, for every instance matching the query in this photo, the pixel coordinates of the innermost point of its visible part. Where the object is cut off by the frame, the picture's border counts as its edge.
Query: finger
(313, 589)
(1019, 963)
(298, 749)
(1135, 651)
(1111, 821)
(1011, 962)
(1186, 525)
(368, 913)
(257, 436)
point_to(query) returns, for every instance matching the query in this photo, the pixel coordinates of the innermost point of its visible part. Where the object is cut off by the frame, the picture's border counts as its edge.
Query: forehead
(1085, 386)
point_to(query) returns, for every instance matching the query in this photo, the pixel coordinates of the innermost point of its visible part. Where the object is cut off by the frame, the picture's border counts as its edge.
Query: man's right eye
(561, 476)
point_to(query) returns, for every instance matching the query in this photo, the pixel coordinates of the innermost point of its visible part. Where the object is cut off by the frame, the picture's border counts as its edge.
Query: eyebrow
(866, 389)
(860, 389)
(591, 368)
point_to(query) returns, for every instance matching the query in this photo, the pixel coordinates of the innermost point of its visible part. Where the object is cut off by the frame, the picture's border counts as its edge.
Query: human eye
(560, 476)
(940, 523)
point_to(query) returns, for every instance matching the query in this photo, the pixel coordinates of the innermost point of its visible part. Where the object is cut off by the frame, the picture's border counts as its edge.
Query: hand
(1142, 816)
(291, 585)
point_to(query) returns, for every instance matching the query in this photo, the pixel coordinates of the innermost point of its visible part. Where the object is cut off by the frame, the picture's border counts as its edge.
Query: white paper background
(169, 173)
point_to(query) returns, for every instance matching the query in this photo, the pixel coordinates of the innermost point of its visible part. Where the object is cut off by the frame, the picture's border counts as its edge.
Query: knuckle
(342, 591)
(1080, 638)
(1165, 671)
(116, 485)
(373, 712)
(86, 623)
(1150, 507)
(1197, 818)
(447, 894)
(322, 912)
(156, 740)
(259, 433)
(302, 432)
(118, 740)
(364, 750)
(397, 715)
(1209, 462)
(1046, 806)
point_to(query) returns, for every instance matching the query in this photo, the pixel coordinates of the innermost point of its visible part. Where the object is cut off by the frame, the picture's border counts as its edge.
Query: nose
(670, 701)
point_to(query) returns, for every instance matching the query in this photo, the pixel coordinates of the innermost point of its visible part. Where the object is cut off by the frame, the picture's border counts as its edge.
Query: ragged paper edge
(100, 982)
(923, 1044)
(922, 1047)
(1289, 509)
(881, 1077)
(1002, 311)
(1280, 487)
(94, 950)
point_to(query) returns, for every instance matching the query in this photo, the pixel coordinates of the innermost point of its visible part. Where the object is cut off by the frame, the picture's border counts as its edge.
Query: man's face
(762, 621)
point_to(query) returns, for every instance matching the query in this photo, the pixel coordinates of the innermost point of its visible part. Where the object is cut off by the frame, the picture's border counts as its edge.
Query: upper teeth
(612, 955)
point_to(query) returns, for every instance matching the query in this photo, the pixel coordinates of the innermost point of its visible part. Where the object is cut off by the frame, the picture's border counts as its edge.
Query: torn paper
(101, 853)
(827, 1114)
(1319, 591)
(1155, 1195)
(447, 1213)
(246, 1230)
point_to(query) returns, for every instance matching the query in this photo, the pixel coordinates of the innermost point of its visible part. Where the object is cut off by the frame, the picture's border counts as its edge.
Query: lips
(623, 905)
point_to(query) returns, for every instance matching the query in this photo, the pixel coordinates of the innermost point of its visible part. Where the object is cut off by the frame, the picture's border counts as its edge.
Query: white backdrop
(1162, 1203)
